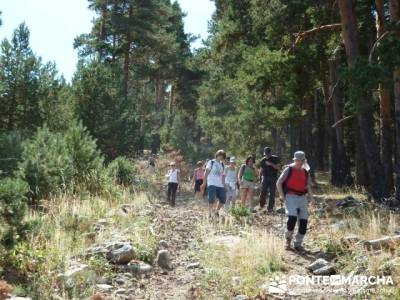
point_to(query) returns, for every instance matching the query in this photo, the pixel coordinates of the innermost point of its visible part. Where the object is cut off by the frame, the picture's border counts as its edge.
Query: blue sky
(55, 23)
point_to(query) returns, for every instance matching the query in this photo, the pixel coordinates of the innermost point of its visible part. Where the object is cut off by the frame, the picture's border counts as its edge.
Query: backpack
(284, 184)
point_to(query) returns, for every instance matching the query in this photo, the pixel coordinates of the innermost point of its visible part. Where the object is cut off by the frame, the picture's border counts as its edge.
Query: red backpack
(285, 187)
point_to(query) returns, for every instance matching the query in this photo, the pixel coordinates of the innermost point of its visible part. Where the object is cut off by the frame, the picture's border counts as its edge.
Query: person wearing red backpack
(293, 186)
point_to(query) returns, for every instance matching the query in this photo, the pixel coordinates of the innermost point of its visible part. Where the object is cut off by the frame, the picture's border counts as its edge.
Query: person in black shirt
(270, 165)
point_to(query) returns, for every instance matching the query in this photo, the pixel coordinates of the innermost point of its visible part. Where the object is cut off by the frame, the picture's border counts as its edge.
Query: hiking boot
(288, 244)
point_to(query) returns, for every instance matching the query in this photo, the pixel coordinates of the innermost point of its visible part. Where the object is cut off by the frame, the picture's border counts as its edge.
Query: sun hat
(232, 160)
(299, 155)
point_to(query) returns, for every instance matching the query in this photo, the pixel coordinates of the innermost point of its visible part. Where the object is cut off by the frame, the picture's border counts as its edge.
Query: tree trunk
(395, 17)
(385, 108)
(127, 56)
(364, 118)
(343, 173)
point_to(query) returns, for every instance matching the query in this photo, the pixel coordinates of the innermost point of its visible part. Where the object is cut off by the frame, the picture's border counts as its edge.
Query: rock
(350, 240)
(77, 274)
(241, 297)
(326, 270)
(122, 255)
(105, 280)
(138, 268)
(385, 242)
(349, 201)
(163, 244)
(236, 281)
(319, 263)
(193, 266)
(339, 225)
(281, 210)
(229, 241)
(120, 291)
(96, 250)
(104, 287)
(163, 259)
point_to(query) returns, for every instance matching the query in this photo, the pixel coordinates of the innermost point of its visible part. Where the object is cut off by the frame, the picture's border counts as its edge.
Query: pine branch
(310, 33)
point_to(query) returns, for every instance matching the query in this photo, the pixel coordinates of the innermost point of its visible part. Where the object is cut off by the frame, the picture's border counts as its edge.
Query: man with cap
(293, 186)
(270, 165)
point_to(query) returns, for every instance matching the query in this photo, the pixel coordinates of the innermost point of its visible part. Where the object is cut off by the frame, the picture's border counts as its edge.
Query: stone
(319, 263)
(120, 291)
(326, 270)
(349, 201)
(104, 287)
(241, 297)
(122, 255)
(193, 266)
(78, 273)
(163, 244)
(385, 242)
(228, 241)
(96, 250)
(138, 268)
(281, 210)
(163, 259)
(351, 239)
(236, 281)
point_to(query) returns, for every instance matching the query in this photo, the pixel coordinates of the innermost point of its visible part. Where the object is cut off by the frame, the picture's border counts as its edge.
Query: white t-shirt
(231, 175)
(173, 176)
(216, 173)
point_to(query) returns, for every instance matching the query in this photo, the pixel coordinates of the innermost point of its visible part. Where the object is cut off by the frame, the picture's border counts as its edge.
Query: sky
(54, 24)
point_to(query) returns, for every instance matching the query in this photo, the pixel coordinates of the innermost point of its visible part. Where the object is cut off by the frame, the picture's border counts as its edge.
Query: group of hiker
(221, 182)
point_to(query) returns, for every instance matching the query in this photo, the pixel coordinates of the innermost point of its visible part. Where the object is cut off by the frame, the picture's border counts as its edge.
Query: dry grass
(253, 258)
(65, 230)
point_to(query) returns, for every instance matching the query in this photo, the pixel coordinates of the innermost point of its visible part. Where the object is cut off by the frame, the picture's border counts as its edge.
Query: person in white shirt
(214, 180)
(173, 183)
(231, 184)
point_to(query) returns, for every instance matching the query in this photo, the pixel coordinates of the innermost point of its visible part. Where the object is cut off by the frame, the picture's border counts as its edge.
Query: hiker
(270, 165)
(247, 178)
(173, 183)
(214, 180)
(152, 164)
(230, 184)
(293, 186)
(197, 181)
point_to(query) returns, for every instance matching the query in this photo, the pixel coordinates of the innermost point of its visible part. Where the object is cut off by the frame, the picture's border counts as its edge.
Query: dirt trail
(177, 225)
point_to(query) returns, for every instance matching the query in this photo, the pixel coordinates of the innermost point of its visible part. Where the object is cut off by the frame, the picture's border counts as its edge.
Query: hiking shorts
(215, 191)
(231, 190)
(296, 206)
(197, 185)
(248, 185)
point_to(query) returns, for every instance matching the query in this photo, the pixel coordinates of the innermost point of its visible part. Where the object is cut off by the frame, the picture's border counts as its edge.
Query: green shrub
(54, 162)
(46, 164)
(10, 151)
(12, 210)
(240, 211)
(122, 170)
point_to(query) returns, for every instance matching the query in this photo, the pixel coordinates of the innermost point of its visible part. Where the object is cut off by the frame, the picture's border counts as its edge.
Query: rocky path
(175, 227)
(176, 273)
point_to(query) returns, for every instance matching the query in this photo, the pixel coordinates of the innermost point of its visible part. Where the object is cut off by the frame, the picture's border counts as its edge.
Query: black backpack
(284, 184)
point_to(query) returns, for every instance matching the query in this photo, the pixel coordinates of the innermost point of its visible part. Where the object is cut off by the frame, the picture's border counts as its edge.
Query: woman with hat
(173, 182)
(230, 184)
(293, 186)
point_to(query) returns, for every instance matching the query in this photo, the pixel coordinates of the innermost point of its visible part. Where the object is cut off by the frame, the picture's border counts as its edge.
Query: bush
(10, 151)
(12, 210)
(46, 164)
(240, 211)
(122, 170)
(62, 162)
